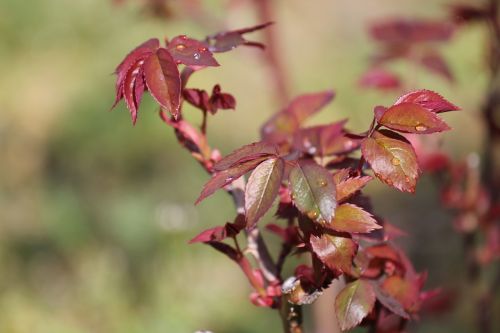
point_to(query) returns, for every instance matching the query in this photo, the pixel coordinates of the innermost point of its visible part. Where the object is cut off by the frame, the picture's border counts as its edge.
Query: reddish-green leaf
(246, 153)
(190, 52)
(392, 159)
(346, 188)
(412, 118)
(284, 123)
(262, 188)
(313, 191)
(353, 219)
(226, 177)
(335, 252)
(403, 290)
(389, 302)
(354, 303)
(428, 99)
(163, 80)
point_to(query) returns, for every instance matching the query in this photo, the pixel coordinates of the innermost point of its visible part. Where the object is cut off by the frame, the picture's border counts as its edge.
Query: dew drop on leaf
(395, 161)
(420, 128)
(197, 56)
(321, 182)
(312, 214)
(180, 47)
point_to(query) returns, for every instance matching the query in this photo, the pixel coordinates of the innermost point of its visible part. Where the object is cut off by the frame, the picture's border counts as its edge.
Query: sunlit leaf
(163, 80)
(246, 153)
(353, 219)
(191, 52)
(262, 188)
(412, 118)
(313, 191)
(354, 303)
(428, 99)
(335, 252)
(392, 159)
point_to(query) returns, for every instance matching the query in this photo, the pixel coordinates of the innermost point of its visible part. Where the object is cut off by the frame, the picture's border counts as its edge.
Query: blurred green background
(95, 214)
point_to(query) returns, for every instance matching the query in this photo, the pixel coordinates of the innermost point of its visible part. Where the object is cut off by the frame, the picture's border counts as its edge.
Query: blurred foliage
(95, 215)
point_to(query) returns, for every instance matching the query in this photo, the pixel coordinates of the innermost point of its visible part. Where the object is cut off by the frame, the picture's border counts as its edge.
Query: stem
(291, 317)
(265, 13)
(204, 123)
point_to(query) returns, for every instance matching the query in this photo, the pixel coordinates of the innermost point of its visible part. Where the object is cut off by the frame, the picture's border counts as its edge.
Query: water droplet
(228, 179)
(407, 179)
(180, 47)
(321, 182)
(395, 161)
(312, 214)
(202, 49)
(184, 37)
(420, 128)
(292, 196)
(197, 56)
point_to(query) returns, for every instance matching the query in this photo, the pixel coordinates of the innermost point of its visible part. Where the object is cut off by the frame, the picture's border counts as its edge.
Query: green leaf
(354, 303)
(313, 191)
(262, 188)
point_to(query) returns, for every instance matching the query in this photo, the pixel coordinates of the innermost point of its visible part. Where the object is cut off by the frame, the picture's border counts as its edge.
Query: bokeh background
(95, 214)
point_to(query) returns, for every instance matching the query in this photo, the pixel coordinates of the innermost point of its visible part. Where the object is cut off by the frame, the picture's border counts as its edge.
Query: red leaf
(163, 80)
(380, 78)
(313, 191)
(284, 123)
(190, 52)
(220, 100)
(129, 88)
(392, 159)
(428, 99)
(319, 140)
(412, 118)
(404, 31)
(354, 303)
(125, 67)
(346, 188)
(256, 150)
(353, 219)
(262, 188)
(435, 63)
(335, 252)
(213, 234)
(197, 98)
(228, 40)
(226, 177)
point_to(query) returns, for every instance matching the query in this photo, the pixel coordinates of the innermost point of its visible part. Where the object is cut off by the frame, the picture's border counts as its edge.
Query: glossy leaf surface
(262, 188)
(313, 191)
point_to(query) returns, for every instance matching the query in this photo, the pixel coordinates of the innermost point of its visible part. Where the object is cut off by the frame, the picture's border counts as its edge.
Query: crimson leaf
(190, 52)
(428, 99)
(163, 80)
(246, 153)
(226, 177)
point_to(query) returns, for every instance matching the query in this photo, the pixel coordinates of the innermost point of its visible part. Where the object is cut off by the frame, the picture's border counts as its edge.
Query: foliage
(315, 173)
